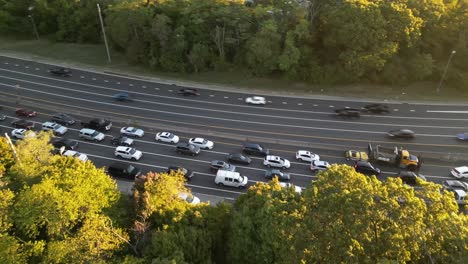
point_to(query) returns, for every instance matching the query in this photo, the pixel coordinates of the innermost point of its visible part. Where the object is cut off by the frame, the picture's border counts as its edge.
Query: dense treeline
(321, 41)
(56, 209)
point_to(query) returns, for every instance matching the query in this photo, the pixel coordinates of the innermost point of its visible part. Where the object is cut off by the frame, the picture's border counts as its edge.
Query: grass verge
(90, 55)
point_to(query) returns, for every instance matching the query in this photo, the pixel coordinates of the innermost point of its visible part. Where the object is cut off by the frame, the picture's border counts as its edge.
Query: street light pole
(445, 71)
(104, 34)
(36, 33)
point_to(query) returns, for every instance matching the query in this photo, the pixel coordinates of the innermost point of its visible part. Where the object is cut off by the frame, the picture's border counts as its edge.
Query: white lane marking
(331, 106)
(16, 65)
(6, 63)
(106, 81)
(130, 84)
(252, 114)
(395, 110)
(37, 69)
(94, 79)
(117, 82)
(299, 103)
(270, 102)
(240, 99)
(218, 103)
(284, 103)
(170, 91)
(211, 95)
(412, 110)
(449, 112)
(27, 67)
(226, 97)
(81, 77)
(156, 89)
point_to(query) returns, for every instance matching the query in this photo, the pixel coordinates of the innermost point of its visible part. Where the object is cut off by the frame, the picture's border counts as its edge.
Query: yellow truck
(398, 157)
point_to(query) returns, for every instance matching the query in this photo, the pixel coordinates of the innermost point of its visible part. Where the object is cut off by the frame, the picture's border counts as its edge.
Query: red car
(26, 113)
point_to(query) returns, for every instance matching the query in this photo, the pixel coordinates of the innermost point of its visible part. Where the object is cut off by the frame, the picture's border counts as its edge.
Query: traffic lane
(243, 109)
(411, 108)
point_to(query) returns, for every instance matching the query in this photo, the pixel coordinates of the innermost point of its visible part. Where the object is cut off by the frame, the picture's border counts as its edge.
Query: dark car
(282, 176)
(21, 123)
(122, 97)
(366, 168)
(123, 170)
(348, 113)
(410, 177)
(122, 141)
(255, 149)
(25, 113)
(186, 148)
(61, 71)
(239, 158)
(63, 119)
(455, 185)
(64, 142)
(189, 92)
(188, 174)
(99, 124)
(377, 108)
(221, 165)
(401, 133)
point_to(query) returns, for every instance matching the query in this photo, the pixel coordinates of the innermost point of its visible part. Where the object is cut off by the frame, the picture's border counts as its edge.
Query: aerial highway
(284, 125)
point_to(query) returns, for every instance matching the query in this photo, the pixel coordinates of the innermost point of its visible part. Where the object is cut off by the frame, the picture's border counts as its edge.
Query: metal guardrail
(157, 127)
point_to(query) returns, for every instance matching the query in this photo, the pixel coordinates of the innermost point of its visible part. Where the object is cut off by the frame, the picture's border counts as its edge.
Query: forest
(318, 41)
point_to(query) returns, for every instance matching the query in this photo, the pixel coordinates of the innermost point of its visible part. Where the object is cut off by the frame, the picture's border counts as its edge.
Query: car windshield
(132, 151)
(95, 133)
(204, 141)
(131, 129)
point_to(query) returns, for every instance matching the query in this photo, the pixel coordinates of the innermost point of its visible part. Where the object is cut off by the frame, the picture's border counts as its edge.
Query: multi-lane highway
(284, 125)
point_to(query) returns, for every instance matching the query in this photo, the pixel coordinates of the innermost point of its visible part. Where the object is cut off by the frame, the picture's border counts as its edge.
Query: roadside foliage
(319, 41)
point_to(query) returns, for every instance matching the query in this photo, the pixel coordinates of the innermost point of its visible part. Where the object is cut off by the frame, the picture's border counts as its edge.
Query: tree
(265, 219)
(6, 157)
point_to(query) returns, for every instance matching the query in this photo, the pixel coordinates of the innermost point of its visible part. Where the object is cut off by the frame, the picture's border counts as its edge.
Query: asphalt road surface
(284, 125)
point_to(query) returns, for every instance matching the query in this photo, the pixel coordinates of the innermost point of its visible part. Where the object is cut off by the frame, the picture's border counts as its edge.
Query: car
(68, 144)
(91, 134)
(239, 158)
(348, 113)
(63, 119)
(127, 153)
(400, 133)
(455, 185)
(188, 92)
(121, 141)
(276, 162)
(61, 71)
(282, 176)
(366, 168)
(255, 149)
(460, 172)
(356, 155)
(21, 123)
(461, 196)
(132, 132)
(319, 165)
(287, 185)
(189, 198)
(202, 143)
(188, 174)
(186, 148)
(25, 113)
(167, 137)
(304, 155)
(255, 100)
(410, 177)
(221, 165)
(463, 136)
(22, 133)
(55, 128)
(377, 108)
(122, 97)
(75, 154)
(98, 124)
(123, 170)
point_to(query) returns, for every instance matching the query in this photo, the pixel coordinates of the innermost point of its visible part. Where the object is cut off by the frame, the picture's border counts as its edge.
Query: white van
(231, 178)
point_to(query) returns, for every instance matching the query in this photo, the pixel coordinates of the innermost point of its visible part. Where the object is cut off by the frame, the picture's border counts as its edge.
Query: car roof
(303, 152)
(462, 169)
(88, 130)
(165, 133)
(123, 148)
(271, 157)
(320, 162)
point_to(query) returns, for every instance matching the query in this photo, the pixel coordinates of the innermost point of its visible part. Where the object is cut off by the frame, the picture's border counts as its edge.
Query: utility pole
(36, 33)
(104, 34)
(13, 149)
(445, 71)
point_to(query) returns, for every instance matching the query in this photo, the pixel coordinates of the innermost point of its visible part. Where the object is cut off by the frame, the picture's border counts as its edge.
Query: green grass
(89, 55)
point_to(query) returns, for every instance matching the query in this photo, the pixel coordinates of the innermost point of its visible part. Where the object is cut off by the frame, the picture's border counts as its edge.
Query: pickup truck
(98, 124)
(393, 156)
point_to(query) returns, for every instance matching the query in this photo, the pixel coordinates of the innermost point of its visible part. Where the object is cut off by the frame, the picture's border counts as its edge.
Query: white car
(319, 165)
(56, 128)
(201, 143)
(276, 162)
(305, 155)
(75, 154)
(255, 100)
(128, 153)
(460, 172)
(189, 198)
(167, 137)
(286, 185)
(91, 134)
(22, 133)
(132, 132)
